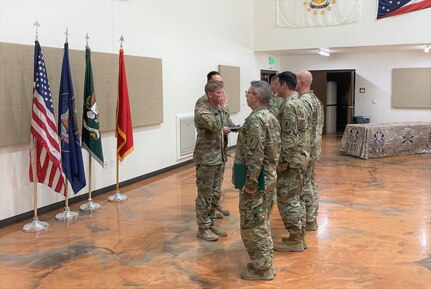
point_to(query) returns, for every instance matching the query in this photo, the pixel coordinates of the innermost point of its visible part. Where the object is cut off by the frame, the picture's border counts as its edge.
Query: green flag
(91, 137)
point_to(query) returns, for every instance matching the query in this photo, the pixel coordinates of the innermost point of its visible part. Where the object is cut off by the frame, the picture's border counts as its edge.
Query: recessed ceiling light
(323, 52)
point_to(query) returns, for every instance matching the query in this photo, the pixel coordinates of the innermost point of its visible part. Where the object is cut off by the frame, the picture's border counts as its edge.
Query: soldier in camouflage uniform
(209, 157)
(294, 156)
(220, 211)
(258, 147)
(315, 107)
(276, 101)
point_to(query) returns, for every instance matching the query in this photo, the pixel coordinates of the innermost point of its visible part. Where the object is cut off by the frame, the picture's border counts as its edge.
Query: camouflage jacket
(294, 95)
(274, 104)
(209, 122)
(258, 144)
(315, 107)
(295, 134)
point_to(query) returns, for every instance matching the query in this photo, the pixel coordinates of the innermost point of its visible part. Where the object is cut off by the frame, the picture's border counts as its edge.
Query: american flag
(44, 130)
(397, 7)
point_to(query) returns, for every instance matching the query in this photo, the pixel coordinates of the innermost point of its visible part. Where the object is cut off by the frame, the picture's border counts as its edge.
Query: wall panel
(144, 77)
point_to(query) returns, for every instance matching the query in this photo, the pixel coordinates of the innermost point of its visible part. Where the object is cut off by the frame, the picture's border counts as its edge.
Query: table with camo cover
(386, 139)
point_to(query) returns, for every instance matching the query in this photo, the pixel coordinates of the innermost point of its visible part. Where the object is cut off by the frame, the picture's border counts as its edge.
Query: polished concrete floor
(374, 232)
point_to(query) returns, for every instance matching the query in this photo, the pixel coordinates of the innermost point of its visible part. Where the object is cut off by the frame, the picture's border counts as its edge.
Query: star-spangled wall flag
(306, 13)
(43, 129)
(389, 8)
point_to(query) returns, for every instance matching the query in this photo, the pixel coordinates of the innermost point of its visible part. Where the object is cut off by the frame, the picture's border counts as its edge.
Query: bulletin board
(232, 85)
(411, 87)
(144, 80)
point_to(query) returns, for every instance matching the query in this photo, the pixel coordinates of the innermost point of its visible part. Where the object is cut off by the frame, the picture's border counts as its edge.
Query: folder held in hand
(240, 174)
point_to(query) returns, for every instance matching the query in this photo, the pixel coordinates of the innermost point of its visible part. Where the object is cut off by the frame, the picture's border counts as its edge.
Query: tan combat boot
(250, 266)
(218, 215)
(311, 226)
(304, 242)
(206, 234)
(291, 244)
(253, 274)
(222, 210)
(219, 232)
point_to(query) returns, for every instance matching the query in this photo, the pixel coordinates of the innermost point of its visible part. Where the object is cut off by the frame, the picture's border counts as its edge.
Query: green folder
(240, 174)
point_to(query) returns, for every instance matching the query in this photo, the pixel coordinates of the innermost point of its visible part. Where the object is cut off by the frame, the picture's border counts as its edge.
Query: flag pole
(121, 41)
(36, 25)
(118, 196)
(35, 225)
(35, 180)
(67, 215)
(117, 169)
(90, 205)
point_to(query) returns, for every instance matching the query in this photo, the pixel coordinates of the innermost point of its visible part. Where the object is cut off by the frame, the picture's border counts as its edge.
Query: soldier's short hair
(263, 90)
(289, 78)
(213, 85)
(273, 78)
(210, 75)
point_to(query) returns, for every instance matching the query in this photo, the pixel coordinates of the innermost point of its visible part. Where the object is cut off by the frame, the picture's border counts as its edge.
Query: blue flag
(71, 155)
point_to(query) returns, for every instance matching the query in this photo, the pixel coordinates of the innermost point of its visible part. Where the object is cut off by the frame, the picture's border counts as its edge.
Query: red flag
(123, 126)
(43, 129)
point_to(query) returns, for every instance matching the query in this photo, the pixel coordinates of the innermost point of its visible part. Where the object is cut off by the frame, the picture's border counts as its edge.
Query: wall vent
(186, 136)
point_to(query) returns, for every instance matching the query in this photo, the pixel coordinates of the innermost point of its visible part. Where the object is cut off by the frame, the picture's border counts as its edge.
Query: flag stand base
(35, 226)
(117, 197)
(89, 206)
(67, 215)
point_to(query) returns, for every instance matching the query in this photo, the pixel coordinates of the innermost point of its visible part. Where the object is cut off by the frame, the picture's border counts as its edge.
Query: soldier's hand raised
(223, 101)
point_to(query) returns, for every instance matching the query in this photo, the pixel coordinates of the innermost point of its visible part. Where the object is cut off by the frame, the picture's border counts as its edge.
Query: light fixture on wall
(323, 52)
(427, 48)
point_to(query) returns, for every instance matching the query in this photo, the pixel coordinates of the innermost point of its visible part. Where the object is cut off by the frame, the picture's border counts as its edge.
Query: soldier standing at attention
(276, 101)
(258, 149)
(220, 211)
(209, 157)
(315, 107)
(294, 156)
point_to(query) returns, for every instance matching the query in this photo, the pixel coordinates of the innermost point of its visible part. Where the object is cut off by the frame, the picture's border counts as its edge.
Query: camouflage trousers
(255, 230)
(289, 199)
(310, 193)
(208, 182)
(217, 191)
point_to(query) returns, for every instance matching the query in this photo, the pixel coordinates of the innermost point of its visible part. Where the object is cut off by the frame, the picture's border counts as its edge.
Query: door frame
(266, 75)
(319, 86)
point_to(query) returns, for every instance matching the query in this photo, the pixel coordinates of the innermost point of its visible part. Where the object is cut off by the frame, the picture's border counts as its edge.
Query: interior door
(318, 86)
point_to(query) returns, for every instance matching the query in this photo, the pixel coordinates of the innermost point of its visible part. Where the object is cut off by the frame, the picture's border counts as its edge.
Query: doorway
(266, 75)
(336, 90)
